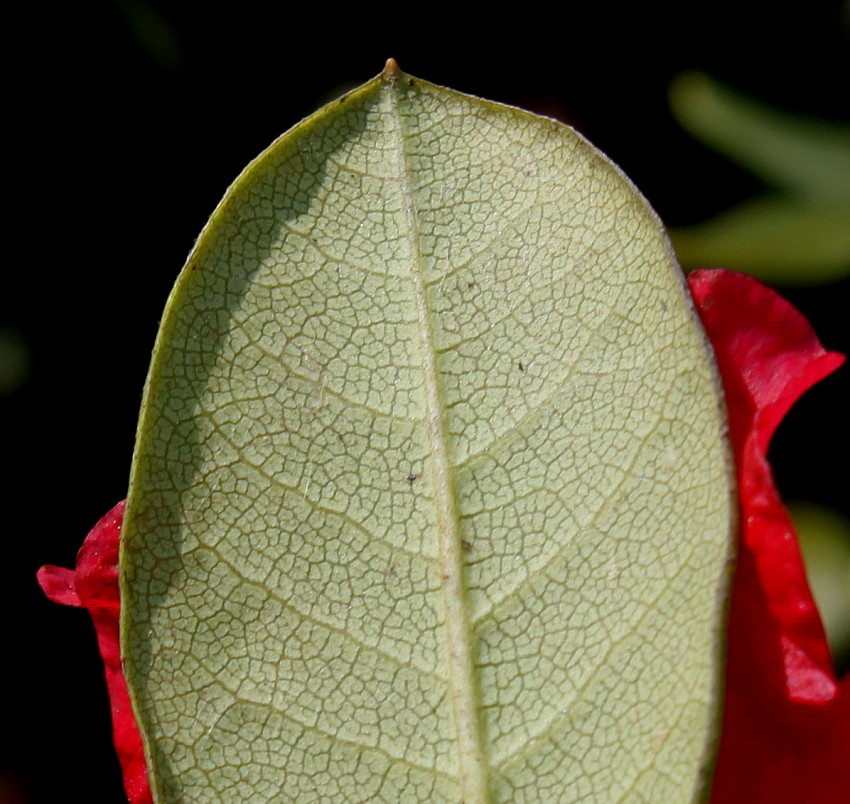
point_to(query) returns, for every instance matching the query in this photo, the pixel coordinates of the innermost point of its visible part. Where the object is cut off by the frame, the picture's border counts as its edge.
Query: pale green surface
(799, 232)
(430, 499)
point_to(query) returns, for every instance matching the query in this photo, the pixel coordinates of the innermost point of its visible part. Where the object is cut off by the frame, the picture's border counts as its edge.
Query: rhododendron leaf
(431, 498)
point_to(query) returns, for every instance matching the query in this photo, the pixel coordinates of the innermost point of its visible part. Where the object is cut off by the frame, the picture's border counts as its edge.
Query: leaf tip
(391, 70)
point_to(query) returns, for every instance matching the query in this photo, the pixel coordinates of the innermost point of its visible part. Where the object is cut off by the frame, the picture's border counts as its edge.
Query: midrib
(461, 676)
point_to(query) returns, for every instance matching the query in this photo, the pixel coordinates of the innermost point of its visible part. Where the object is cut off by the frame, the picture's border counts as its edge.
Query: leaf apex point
(391, 70)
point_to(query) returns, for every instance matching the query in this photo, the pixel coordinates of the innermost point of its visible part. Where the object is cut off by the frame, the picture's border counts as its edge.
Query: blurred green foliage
(825, 541)
(798, 232)
(14, 360)
(152, 32)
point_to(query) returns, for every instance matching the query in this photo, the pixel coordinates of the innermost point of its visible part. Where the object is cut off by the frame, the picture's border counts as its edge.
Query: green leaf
(431, 498)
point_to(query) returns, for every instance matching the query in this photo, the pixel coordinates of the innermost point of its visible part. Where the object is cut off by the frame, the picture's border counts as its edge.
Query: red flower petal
(786, 726)
(786, 730)
(94, 586)
(59, 585)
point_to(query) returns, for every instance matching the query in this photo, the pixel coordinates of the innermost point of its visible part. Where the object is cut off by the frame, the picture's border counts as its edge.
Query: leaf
(431, 498)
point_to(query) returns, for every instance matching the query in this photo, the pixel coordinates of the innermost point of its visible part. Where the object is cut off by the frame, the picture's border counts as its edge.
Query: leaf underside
(431, 496)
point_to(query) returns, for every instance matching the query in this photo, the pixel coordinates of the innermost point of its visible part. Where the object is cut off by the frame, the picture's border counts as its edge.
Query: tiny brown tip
(391, 69)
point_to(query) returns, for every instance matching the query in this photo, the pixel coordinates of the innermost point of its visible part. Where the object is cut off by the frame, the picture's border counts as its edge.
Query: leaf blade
(364, 376)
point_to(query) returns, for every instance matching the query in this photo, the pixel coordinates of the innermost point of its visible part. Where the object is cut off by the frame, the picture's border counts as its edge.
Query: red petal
(94, 585)
(59, 585)
(786, 726)
(786, 734)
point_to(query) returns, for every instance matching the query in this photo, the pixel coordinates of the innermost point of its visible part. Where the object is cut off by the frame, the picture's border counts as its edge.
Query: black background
(127, 123)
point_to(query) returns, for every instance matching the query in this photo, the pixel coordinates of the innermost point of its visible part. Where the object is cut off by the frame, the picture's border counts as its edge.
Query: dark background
(129, 120)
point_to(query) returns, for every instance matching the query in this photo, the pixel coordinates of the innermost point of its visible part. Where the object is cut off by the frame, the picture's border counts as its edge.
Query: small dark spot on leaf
(410, 82)
(470, 284)
(520, 365)
(466, 545)
(411, 477)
